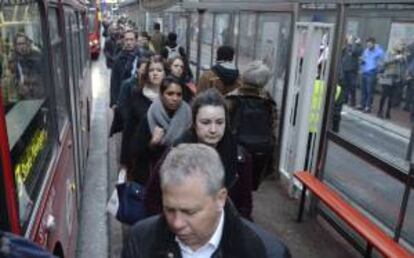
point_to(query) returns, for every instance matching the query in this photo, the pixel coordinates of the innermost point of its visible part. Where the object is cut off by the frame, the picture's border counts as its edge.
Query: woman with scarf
(167, 118)
(210, 125)
(136, 107)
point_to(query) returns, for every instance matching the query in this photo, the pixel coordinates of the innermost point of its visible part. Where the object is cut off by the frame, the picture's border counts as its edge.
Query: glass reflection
(206, 42)
(193, 36)
(377, 78)
(25, 99)
(222, 35)
(363, 184)
(272, 46)
(246, 44)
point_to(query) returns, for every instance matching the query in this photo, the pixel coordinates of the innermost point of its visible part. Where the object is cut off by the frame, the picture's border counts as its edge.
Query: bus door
(306, 95)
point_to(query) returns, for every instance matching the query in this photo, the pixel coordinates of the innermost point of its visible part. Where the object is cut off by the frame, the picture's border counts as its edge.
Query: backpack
(173, 52)
(252, 123)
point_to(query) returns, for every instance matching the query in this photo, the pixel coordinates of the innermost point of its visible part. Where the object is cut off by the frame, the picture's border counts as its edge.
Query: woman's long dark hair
(141, 80)
(227, 146)
(170, 63)
(167, 81)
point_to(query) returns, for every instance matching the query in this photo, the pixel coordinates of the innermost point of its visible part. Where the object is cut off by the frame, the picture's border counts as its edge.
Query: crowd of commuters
(165, 117)
(370, 66)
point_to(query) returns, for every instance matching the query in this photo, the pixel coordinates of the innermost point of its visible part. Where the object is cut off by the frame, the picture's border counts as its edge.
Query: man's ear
(221, 197)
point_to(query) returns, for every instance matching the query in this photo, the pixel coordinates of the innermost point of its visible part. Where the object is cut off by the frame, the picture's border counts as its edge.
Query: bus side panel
(59, 217)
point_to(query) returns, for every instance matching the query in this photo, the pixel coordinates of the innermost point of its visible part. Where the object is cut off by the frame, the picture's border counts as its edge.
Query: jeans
(409, 96)
(388, 92)
(349, 81)
(367, 89)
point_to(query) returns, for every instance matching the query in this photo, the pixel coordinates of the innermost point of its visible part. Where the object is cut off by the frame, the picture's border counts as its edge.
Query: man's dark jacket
(151, 238)
(121, 70)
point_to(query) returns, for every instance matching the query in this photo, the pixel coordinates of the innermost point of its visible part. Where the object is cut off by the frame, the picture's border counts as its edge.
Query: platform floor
(274, 210)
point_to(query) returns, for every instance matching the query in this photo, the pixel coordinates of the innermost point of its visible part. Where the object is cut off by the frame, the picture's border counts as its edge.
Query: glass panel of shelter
(246, 46)
(375, 77)
(222, 33)
(206, 41)
(376, 193)
(375, 106)
(272, 47)
(193, 30)
(26, 101)
(181, 30)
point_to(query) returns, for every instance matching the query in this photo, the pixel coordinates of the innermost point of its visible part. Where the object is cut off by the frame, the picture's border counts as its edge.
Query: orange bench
(374, 236)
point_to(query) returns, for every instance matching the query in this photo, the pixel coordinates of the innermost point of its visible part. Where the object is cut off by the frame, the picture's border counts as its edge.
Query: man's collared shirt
(372, 59)
(209, 248)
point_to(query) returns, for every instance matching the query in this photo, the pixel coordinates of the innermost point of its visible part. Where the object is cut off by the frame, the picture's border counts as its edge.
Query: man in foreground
(198, 220)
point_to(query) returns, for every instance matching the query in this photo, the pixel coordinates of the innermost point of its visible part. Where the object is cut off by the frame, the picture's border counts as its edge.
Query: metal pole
(237, 38)
(406, 196)
(200, 37)
(213, 39)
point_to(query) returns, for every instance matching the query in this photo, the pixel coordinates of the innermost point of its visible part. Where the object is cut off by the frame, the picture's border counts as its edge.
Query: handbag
(131, 202)
(117, 123)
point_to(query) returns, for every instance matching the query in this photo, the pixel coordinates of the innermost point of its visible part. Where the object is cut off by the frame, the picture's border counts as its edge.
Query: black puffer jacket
(151, 238)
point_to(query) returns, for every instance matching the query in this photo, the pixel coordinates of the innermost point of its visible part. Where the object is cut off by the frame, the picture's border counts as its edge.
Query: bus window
(75, 38)
(94, 33)
(81, 19)
(25, 99)
(58, 69)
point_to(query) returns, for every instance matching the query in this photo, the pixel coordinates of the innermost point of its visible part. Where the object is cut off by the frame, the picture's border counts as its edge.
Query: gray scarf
(173, 126)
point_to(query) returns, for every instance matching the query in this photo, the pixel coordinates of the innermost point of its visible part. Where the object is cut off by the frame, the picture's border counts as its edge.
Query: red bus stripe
(9, 183)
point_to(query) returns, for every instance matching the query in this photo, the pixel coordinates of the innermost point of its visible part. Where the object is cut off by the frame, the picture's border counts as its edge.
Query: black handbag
(117, 123)
(131, 202)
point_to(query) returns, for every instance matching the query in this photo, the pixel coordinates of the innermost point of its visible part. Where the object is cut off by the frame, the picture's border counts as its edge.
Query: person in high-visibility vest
(315, 115)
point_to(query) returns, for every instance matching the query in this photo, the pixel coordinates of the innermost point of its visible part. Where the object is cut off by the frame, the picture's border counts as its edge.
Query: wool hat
(257, 74)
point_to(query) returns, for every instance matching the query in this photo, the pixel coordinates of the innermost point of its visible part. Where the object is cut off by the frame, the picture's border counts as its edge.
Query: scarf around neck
(174, 126)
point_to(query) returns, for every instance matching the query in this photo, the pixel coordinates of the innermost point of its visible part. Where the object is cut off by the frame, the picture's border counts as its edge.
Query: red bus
(94, 32)
(45, 101)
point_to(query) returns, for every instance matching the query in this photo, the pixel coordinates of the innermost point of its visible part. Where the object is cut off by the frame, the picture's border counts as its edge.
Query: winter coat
(143, 156)
(238, 175)
(252, 92)
(223, 79)
(152, 238)
(350, 57)
(120, 112)
(247, 90)
(110, 51)
(121, 70)
(158, 41)
(127, 87)
(136, 108)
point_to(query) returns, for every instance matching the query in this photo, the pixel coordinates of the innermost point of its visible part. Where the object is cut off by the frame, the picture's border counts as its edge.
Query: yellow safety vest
(316, 105)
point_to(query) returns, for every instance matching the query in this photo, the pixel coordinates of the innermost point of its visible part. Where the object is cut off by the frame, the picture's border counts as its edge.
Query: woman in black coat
(136, 107)
(167, 118)
(211, 126)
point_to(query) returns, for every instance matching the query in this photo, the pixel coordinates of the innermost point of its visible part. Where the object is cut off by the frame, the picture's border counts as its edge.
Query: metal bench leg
(368, 251)
(302, 203)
